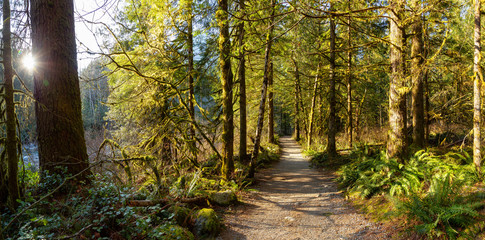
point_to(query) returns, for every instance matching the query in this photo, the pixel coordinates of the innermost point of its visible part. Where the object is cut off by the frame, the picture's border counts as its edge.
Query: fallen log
(201, 201)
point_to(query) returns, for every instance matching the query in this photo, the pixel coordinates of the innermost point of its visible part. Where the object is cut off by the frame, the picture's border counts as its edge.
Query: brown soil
(294, 201)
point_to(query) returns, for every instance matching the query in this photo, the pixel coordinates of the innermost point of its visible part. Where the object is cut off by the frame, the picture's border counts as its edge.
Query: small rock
(289, 219)
(224, 198)
(207, 223)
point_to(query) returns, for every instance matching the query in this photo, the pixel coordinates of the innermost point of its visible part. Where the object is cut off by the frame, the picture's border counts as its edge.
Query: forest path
(294, 201)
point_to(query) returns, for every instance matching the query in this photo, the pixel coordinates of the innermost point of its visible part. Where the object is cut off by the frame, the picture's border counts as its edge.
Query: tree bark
(427, 106)
(312, 109)
(417, 71)
(190, 45)
(297, 101)
(396, 144)
(56, 89)
(226, 80)
(270, 105)
(426, 85)
(243, 129)
(264, 88)
(332, 125)
(477, 85)
(11, 141)
(349, 79)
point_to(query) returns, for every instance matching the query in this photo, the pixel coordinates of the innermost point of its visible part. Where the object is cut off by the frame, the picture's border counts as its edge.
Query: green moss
(223, 198)
(171, 232)
(181, 214)
(207, 223)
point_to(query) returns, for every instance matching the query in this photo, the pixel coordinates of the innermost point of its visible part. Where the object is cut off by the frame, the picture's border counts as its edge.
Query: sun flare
(28, 61)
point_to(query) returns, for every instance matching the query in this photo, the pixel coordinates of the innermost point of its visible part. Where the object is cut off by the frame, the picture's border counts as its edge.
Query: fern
(370, 176)
(443, 210)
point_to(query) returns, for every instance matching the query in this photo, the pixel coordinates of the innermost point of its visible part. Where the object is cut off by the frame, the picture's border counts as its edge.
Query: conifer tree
(222, 16)
(396, 144)
(11, 140)
(56, 89)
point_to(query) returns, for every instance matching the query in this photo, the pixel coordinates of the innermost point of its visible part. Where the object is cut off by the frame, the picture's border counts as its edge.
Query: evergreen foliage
(445, 210)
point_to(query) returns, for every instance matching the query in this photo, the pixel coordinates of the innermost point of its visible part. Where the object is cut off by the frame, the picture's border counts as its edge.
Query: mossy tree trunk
(312, 109)
(226, 80)
(396, 143)
(417, 73)
(264, 88)
(426, 84)
(243, 129)
(56, 89)
(332, 123)
(349, 78)
(297, 101)
(427, 107)
(11, 141)
(270, 104)
(477, 85)
(190, 71)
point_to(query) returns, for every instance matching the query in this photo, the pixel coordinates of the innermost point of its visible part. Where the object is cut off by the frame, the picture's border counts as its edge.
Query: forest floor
(294, 201)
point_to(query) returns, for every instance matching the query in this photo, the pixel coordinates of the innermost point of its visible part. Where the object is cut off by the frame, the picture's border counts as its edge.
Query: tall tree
(190, 70)
(270, 104)
(312, 109)
(56, 89)
(264, 88)
(243, 142)
(11, 141)
(477, 85)
(396, 144)
(349, 77)
(297, 100)
(417, 73)
(226, 80)
(332, 123)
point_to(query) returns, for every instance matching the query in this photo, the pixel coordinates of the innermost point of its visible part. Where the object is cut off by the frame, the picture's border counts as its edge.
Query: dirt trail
(294, 201)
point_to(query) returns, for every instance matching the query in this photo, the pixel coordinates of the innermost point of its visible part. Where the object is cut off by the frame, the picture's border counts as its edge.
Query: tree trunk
(297, 100)
(396, 144)
(11, 141)
(477, 85)
(190, 45)
(426, 85)
(264, 88)
(358, 113)
(56, 89)
(270, 105)
(243, 143)
(332, 125)
(312, 109)
(349, 80)
(226, 79)
(417, 78)
(427, 115)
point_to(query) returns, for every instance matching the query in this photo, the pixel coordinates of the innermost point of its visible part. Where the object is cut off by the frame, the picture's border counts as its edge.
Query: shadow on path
(294, 201)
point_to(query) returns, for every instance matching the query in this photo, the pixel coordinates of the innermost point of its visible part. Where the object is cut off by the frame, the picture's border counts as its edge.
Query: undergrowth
(435, 192)
(445, 210)
(102, 210)
(97, 212)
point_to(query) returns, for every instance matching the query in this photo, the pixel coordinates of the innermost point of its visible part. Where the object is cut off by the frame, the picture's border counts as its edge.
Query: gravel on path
(294, 201)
